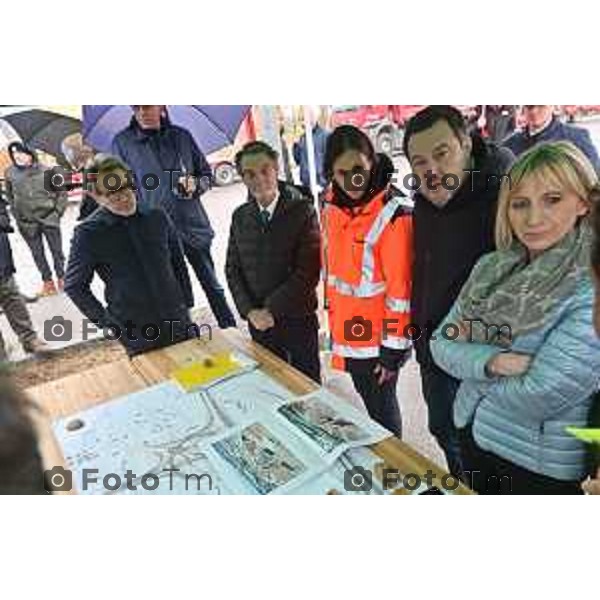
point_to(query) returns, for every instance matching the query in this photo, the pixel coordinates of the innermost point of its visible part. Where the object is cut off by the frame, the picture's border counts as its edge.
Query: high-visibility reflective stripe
(363, 290)
(396, 343)
(400, 305)
(356, 352)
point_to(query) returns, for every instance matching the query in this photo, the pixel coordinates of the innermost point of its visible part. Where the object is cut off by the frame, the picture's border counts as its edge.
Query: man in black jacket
(454, 220)
(137, 254)
(273, 261)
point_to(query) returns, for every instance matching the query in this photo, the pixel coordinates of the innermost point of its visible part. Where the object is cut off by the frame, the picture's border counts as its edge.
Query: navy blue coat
(141, 263)
(157, 153)
(301, 156)
(520, 141)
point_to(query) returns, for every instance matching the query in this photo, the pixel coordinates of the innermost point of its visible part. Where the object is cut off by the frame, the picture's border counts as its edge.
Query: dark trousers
(34, 236)
(439, 391)
(295, 340)
(489, 474)
(16, 312)
(380, 401)
(204, 267)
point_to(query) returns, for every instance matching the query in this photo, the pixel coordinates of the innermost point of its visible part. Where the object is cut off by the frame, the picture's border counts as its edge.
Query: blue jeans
(439, 391)
(204, 267)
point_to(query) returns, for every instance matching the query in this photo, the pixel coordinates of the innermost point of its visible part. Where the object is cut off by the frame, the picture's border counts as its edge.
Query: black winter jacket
(448, 241)
(278, 266)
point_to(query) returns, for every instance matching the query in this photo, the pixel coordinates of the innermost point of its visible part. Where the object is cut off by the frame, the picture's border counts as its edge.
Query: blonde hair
(560, 161)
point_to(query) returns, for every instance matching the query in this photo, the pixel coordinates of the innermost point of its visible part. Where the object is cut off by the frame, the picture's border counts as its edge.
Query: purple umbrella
(213, 126)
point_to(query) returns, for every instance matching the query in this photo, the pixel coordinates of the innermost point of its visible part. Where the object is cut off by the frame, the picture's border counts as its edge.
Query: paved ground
(220, 204)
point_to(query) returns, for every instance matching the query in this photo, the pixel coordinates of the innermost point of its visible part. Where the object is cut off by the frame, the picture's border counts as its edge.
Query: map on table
(246, 434)
(152, 432)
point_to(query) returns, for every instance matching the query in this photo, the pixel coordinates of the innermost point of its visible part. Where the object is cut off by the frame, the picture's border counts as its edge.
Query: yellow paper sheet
(204, 372)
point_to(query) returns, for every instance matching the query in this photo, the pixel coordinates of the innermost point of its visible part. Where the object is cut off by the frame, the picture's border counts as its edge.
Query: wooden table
(78, 392)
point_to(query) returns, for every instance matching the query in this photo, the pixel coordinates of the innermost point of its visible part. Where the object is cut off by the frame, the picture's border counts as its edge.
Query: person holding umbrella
(172, 173)
(38, 213)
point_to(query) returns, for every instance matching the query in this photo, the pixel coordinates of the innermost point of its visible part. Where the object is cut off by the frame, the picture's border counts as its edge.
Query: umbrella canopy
(43, 130)
(213, 126)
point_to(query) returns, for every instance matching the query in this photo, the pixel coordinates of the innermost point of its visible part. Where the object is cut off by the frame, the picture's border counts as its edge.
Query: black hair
(343, 139)
(254, 149)
(14, 147)
(21, 468)
(428, 117)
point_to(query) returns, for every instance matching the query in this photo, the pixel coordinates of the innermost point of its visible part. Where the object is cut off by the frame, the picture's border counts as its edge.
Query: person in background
(152, 145)
(37, 212)
(21, 467)
(11, 300)
(138, 256)
(320, 135)
(520, 336)
(274, 261)
(454, 227)
(542, 125)
(78, 154)
(367, 246)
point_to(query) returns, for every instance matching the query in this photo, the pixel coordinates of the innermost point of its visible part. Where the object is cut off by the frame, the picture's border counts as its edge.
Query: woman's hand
(384, 375)
(509, 364)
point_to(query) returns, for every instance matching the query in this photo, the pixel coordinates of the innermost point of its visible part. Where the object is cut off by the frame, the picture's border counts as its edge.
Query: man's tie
(265, 217)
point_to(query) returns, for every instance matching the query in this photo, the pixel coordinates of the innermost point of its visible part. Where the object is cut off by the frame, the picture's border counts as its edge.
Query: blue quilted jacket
(523, 419)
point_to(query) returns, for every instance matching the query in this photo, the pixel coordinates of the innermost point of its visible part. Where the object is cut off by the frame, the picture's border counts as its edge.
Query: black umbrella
(44, 130)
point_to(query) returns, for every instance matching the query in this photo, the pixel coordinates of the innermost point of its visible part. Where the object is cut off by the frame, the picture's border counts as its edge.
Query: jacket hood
(379, 178)
(165, 122)
(15, 147)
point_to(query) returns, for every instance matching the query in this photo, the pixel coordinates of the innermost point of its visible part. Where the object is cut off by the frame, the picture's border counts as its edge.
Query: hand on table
(592, 486)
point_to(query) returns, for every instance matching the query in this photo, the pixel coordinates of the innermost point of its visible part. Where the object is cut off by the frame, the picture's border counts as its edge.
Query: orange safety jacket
(368, 273)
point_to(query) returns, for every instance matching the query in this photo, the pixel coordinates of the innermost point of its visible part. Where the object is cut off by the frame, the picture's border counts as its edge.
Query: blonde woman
(520, 336)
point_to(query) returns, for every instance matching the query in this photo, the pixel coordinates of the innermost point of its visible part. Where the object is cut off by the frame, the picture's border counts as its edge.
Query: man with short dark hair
(152, 146)
(542, 125)
(454, 219)
(137, 254)
(273, 261)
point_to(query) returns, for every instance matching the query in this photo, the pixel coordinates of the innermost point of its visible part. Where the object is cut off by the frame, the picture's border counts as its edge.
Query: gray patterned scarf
(513, 292)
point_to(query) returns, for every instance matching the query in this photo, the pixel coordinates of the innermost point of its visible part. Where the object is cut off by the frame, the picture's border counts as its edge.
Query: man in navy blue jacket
(171, 173)
(138, 256)
(544, 126)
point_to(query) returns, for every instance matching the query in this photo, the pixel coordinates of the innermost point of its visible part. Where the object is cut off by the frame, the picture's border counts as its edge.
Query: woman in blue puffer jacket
(520, 336)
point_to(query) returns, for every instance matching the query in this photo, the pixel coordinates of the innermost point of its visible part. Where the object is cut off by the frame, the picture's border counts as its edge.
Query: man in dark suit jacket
(138, 255)
(274, 261)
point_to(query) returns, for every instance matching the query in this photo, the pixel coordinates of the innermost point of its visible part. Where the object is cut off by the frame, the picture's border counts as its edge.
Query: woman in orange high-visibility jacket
(367, 246)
